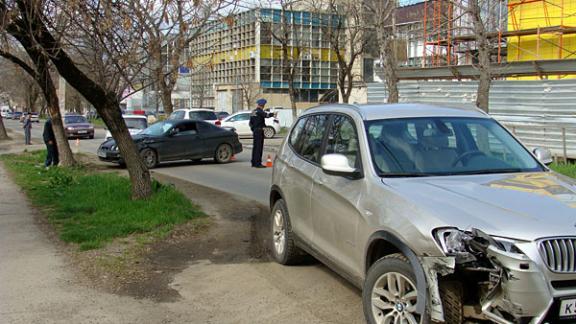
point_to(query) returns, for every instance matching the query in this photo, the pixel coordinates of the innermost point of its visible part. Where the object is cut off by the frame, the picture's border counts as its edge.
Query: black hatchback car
(173, 140)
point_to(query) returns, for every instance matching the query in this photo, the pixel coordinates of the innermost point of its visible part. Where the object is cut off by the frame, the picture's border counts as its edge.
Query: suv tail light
(217, 123)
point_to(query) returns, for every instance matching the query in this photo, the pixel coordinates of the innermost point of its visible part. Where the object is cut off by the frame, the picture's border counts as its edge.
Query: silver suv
(438, 214)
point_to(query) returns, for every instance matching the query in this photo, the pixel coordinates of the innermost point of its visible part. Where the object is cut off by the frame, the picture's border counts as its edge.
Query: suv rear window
(202, 115)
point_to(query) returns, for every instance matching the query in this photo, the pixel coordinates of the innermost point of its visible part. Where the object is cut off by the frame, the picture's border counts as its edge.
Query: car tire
(284, 249)
(452, 295)
(91, 137)
(381, 301)
(149, 157)
(269, 132)
(223, 153)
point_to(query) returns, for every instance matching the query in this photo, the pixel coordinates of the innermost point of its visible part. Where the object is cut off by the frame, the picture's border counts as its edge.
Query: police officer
(257, 124)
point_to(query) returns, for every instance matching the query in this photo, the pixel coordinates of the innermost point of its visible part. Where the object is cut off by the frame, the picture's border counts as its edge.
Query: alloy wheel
(224, 153)
(269, 132)
(394, 300)
(279, 232)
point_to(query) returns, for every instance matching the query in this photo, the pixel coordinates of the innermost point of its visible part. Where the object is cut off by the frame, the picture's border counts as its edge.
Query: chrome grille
(559, 254)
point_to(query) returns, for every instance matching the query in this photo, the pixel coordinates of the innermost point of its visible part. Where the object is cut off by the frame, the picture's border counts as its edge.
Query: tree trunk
(388, 57)
(292, 94)
(167, 101)
(139, 174)
(3, 134)
(484, 80)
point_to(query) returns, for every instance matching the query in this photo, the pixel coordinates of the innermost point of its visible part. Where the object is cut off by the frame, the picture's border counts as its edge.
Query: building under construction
(439, 32)
(235, 62)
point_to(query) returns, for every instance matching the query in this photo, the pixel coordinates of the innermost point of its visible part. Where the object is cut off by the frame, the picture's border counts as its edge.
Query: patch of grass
(284, 131)
(568, 169)
(98, 122)
(91, 209)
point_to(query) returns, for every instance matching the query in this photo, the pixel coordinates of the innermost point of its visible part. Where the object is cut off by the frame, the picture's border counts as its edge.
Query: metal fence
(542, 113)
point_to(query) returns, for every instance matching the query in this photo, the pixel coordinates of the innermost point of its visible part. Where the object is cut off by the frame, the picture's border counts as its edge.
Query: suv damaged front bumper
(510, 287)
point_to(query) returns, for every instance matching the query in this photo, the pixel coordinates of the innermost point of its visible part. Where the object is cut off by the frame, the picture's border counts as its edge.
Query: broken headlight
(452, 241)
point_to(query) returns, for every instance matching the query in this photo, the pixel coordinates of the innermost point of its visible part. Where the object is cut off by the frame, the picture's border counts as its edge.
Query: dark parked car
(77, 126)
(173, 140)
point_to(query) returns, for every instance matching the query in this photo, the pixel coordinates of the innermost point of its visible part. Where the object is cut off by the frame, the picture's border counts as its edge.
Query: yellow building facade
(541, 30)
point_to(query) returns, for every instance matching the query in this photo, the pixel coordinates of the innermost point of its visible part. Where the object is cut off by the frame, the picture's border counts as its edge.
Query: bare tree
(290, 46)
(169, 27)
(3, 134)
(477, 17)
(98, 33)
(38, 68)
(251, 91)
(345, 29)
(381, 16)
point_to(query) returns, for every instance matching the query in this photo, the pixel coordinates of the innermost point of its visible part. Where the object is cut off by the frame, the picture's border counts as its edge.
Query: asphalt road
(237, 178)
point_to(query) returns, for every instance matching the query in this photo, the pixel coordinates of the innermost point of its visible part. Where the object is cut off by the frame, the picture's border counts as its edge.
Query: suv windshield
(157, 129)
(202, 115)
(445, 146)
(74, 120)
(137, 123)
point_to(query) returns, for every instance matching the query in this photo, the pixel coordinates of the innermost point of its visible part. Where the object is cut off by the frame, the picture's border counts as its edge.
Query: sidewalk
(35, 283)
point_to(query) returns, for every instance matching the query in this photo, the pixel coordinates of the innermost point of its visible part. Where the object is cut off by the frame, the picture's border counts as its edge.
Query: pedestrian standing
(257, 124)
(27, 129)
(50, 141)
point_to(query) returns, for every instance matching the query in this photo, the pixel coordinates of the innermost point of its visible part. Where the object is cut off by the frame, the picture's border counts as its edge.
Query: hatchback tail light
(218, 123)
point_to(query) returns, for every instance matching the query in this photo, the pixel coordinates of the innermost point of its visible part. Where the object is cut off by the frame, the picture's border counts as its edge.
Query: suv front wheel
(390, 293)
(284, 250)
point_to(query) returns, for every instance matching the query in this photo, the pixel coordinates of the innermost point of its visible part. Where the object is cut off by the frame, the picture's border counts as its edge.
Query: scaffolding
(518, 30)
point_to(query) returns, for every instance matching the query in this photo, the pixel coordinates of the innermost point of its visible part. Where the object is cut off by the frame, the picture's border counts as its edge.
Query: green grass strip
(567, 169)
(90, 208)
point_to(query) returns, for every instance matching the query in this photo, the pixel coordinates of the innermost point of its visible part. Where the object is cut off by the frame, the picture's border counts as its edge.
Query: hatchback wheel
(390, 294)
(284, 250)
(149, 157)
(223, 153)
(269, 132)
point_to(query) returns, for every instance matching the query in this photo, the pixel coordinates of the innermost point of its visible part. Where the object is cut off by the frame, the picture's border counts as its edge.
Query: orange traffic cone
(269, 161)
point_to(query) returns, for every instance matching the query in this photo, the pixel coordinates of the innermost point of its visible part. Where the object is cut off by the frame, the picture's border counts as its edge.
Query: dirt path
(212, 272)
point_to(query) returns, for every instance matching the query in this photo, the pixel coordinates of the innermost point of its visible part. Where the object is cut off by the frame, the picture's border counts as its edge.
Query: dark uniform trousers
(258, 146)
(52, 155)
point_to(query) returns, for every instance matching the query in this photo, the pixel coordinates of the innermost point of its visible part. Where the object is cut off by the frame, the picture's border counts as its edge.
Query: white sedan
(135, 124)
(240, 121)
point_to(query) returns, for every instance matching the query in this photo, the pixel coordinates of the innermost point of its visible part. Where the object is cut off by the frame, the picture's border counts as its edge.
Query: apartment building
(238, 60)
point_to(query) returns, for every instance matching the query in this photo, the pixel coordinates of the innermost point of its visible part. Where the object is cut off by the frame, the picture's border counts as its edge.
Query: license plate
(101, 154)
(82, 132)
(568, 307)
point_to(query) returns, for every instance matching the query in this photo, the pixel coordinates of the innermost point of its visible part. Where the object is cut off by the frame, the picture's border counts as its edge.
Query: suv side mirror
(543, 155)
(337, 164)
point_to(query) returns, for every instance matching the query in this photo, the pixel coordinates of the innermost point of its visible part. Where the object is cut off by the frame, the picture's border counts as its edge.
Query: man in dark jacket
(27, 128)
(257, 124)
(50, 141)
